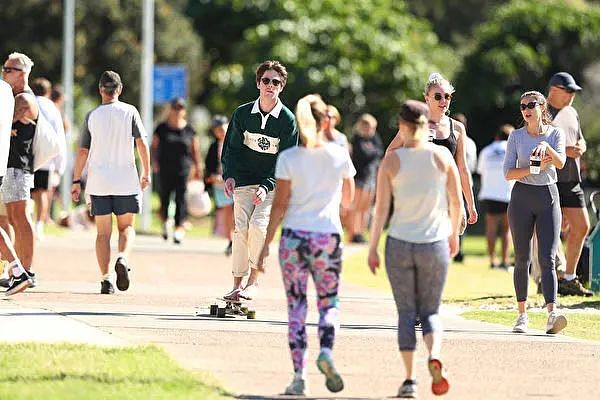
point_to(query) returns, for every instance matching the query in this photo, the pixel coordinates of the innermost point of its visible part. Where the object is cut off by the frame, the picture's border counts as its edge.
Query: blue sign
(170, 81)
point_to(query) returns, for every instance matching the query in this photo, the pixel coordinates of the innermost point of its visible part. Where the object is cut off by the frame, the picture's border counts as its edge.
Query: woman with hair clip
(422, 236)
(449, 133)
(312, 180)
(533, 154)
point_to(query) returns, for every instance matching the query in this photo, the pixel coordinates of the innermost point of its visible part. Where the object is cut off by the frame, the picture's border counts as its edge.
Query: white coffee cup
(535, 163)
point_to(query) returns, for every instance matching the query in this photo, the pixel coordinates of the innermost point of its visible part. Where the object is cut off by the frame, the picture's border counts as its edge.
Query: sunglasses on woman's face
(438, 96)
(274, 81)
(531, 105)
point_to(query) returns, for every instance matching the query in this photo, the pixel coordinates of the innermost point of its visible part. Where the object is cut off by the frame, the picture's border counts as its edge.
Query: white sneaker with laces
(249, 292)
(521, 324)
(296, 388)
(556, 323)
(233, 295)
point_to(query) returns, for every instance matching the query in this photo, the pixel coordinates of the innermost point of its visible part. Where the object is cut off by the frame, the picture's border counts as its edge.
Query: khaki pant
(250, 228)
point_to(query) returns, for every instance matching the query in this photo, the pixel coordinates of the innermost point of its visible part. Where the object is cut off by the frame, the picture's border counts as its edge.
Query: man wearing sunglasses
(574, 212)
(18, 181)
(258, 132)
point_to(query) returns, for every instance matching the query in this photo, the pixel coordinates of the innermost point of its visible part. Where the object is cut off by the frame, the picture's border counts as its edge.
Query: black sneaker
(106, 287)
(19, 284)
(32, 278)
(229, 249)
(572, 288)
(122, 271)
(408, 390)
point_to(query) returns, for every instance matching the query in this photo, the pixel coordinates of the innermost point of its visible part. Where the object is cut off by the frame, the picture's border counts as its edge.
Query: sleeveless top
(420, 199)
(20, 154)
(451, 143)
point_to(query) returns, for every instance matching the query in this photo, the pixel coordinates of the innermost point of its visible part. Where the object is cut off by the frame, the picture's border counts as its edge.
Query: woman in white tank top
(422, 236)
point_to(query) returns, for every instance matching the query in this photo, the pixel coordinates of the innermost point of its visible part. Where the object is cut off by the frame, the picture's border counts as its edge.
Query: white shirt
(316, 177)
(52, 115)
(7, 107)
(109, 132)
(471, 153)
(494, 185)
(420, 197)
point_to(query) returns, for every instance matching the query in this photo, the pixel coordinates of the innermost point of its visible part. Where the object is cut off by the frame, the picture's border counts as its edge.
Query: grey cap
(218, 120)
(565, 80)
(110, 79)
(178, 102)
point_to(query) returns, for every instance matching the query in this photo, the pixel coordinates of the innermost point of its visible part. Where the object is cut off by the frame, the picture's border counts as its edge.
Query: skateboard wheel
(213, 309)
(221, 312)
(244, 310)
(251, 314)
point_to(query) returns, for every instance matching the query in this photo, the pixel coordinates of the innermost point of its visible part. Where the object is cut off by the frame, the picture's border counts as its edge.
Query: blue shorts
(118, 205)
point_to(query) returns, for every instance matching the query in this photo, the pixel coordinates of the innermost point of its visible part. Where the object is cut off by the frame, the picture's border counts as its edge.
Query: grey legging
(417, 274)
(537, 206)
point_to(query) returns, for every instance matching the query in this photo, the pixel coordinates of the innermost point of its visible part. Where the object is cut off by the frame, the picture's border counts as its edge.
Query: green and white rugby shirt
(253, 142)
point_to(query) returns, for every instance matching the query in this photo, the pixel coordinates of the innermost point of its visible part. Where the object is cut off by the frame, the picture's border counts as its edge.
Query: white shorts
(16, 185)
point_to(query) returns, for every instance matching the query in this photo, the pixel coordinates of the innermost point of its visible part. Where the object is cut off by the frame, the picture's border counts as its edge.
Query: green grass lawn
(66, 371)
(484, 291)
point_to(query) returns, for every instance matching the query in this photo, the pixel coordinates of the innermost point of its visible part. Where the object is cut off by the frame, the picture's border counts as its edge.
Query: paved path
(250, 357)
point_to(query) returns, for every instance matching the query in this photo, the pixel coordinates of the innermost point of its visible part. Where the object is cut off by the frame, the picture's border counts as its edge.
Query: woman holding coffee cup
(533, 154)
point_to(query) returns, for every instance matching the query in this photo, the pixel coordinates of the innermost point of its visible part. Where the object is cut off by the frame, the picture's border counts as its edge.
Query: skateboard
(232, 307)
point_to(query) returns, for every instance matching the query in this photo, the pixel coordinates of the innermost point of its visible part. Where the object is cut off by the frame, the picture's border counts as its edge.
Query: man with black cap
(109, 134)
(574, 212)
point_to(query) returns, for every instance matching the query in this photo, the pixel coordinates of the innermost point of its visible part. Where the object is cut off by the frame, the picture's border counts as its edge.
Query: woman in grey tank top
(533, 153)
(416, 254)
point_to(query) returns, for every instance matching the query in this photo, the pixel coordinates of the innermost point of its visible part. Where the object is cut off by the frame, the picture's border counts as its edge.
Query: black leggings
(537, 206)
(170, 183)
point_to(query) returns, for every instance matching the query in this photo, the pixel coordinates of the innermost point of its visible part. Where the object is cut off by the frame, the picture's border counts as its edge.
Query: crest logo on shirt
(264, 143)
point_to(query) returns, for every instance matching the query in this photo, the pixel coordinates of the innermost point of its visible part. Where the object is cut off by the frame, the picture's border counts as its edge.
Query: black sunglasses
(274, 81)
(438, 96)
(531, 105)
(8, 70)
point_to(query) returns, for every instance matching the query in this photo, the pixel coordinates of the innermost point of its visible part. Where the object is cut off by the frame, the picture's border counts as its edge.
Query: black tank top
(450, 142)
(20, 154)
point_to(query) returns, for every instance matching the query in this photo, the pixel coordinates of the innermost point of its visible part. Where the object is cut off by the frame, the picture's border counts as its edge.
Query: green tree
(362, 57)
(519, 49)
(107, 36)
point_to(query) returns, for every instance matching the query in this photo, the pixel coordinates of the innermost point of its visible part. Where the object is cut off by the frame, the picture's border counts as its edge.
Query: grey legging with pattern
(417, 274)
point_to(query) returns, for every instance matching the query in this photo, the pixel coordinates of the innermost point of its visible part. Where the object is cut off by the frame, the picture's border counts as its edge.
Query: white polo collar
(274, 112)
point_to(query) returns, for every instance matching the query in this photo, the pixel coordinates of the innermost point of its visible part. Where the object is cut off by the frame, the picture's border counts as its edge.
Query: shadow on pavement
(286, 397)
(585, 304)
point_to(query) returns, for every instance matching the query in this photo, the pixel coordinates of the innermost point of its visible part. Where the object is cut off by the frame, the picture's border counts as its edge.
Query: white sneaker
(521, 324)
(296, 388)
(178, 235)
(234, 295)
(556, 323)
(249, 292)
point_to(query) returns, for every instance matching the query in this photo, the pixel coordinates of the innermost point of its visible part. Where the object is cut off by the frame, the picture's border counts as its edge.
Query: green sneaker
(334, 381)
(296, 388)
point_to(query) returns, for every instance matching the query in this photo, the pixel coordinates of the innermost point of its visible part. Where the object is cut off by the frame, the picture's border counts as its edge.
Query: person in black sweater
(367, 150)
(175, 151)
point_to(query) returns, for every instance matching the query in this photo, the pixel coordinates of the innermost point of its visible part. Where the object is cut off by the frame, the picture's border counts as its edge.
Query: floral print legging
(319, 254)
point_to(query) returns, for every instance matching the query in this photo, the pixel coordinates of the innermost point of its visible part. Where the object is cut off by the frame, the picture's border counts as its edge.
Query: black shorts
(494, 207)
(118, 205)
(571, 194)
(41, 180)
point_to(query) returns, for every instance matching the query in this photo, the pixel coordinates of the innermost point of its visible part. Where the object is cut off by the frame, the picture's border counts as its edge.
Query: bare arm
(389, 166)
(455, 206)
(466, 181)
(347, 192)
(154, 147)
(196, 159)
(80, 161)
(144, 153)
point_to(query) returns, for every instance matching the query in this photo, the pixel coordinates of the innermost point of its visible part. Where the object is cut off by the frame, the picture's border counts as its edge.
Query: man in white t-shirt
(494, 195)
(42, 186)
(20, 280)
(109, 134)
